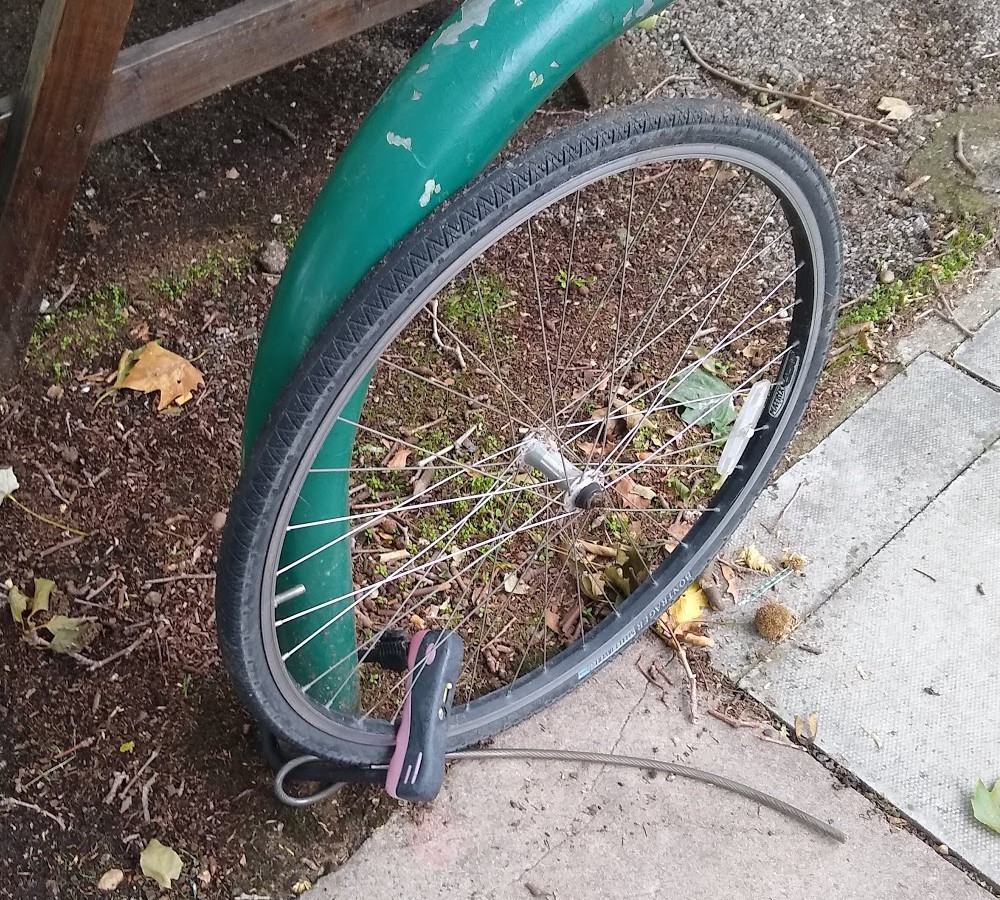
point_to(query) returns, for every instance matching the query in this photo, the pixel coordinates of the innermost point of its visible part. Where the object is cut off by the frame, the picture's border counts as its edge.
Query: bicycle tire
(401, 282)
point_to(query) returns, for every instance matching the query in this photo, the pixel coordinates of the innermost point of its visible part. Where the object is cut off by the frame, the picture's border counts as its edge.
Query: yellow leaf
(687, 609)
(156, 369)
(752, 558)
(160, 863)
(127, 747)
(18, 604)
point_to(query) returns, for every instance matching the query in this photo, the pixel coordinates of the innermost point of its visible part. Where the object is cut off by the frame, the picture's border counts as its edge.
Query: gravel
(848, 54)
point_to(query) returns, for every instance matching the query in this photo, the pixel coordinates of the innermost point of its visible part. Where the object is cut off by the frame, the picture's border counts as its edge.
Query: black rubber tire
(396, 283)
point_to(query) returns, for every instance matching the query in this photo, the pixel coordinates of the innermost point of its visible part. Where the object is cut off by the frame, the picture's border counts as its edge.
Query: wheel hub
(582, 489)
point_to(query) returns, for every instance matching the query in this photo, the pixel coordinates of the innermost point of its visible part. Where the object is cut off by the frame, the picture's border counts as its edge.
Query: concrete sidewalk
(898, 511)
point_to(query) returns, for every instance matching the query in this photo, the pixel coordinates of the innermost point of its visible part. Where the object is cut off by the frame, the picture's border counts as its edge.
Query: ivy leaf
(707, 401)
(160, 863)
(8, 483)
(986, 805)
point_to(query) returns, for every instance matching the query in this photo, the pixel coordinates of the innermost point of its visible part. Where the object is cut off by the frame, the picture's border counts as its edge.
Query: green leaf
(18, 604)
(69, 635)
(160, 863)
(707, 401)
(43, 591)
(986, 805)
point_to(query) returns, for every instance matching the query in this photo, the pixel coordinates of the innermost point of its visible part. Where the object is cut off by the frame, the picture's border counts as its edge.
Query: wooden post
(45, 150)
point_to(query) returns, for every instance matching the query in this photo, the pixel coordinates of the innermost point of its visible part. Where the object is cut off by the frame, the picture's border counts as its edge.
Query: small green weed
(211, 268)
(578, 281)
(886, 300)
(468, 300)
(88, 327)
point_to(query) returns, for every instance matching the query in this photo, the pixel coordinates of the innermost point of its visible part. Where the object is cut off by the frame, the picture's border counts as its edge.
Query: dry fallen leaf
(399, 458)
(160, 863)
(513, 584)
(806, 728)
(792, 560)
(895, 110)
(731, 579)
(552, 619)
(630, 493)
(752, 558)
(678, 530)
(110, 880)
(152, 368)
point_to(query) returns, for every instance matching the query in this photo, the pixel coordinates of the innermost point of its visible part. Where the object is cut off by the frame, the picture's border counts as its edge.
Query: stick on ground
(786, 95)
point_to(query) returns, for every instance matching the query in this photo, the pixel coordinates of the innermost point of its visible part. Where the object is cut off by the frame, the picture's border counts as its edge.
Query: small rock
(942, 849)
(43, 307)
(276, 219)
(886, 275)
(55, 392)
(110, 880)
(70, 454)
(273, 258)
(153, 599)
(219, 521)
(232, 174)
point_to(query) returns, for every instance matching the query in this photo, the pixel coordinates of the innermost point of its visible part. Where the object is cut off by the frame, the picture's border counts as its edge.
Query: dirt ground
(162, 244)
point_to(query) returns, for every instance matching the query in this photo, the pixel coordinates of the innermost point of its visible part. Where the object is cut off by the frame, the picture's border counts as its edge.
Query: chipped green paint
(440, 123)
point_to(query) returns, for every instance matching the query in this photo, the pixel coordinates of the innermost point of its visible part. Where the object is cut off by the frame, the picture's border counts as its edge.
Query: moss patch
(886, 300)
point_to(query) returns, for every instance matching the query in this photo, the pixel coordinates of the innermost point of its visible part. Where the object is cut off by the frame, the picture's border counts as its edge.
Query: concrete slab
(519, 830)
(906, 685)
(848, 497)
(937, 336)
(981, 354)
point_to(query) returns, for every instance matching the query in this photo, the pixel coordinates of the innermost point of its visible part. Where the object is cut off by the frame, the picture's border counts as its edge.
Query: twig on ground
(48, 771)
(97, 591)
(125, 651)
(922, 572)
(692, 681)
(773, 527)
(456, 350)
(735, 723)
(670, 79)
(80, 745)
(960, 154)
(135, 778)
(759, 88)
(50, 482)
(948, 311)
(196, 576)
(10, 802)
(282, 129)
(46, 519)
(846, 159)
(62, 545)
(65, 294)
(809, 648)
(787, 744)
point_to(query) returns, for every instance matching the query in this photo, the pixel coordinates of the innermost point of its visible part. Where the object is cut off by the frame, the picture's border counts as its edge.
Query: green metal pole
(440, 123)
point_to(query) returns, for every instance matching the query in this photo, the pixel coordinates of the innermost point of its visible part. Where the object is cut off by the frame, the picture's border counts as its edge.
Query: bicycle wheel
(533, 423)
